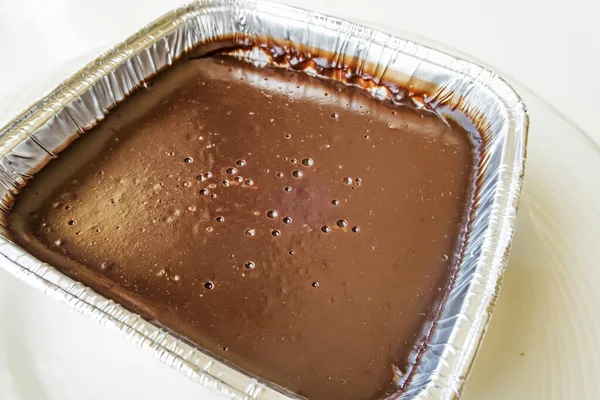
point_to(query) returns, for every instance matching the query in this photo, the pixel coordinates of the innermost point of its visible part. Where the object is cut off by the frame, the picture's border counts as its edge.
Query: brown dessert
(295, 227)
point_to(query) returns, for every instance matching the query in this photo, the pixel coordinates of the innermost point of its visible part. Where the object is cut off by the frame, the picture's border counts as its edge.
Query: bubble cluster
(204, 177)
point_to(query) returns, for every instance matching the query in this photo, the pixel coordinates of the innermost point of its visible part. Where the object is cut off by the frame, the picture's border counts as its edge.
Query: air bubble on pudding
(240, 163)
(250, 232)
(231, 170)
(72, 222)
(355, 229)
(287, 220)
(220, 219)
(238, 179)
(287, 189)
(297, 174)
(213, 196)
(225, 183)
(347, 180)
(188, 160)
(106, 266)
(291, 252)
(58, 242)
(325, 229)
(248, 182)
(280, 174)
(288, 136)
(212, 185)
(342, 223)
(209, 285)
(335, 115)
(335, 202)
(276, 232)
(315, 284)
(272, 214)
(308, 162)
(250, 265)
(203, 192)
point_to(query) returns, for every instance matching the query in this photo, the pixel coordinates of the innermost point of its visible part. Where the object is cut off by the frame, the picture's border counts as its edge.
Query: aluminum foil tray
(395, 67)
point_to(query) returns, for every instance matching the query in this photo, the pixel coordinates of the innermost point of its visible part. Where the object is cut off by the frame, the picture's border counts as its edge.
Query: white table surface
(544, 340)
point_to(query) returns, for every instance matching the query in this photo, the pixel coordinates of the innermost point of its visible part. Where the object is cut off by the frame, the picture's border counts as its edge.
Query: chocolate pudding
(295, 227)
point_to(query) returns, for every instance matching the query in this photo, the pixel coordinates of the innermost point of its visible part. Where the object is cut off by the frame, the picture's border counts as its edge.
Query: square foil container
(395, 67)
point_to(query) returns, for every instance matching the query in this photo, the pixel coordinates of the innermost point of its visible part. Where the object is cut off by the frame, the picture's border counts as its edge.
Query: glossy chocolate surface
(295, 227)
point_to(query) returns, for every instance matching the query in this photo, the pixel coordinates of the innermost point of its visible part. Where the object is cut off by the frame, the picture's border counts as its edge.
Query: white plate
(543, 342)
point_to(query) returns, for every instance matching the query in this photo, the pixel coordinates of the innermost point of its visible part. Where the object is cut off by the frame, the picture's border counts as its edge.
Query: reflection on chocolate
(294, 227)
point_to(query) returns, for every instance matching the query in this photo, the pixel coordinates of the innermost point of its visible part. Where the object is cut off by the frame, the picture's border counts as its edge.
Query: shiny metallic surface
(433, 79)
